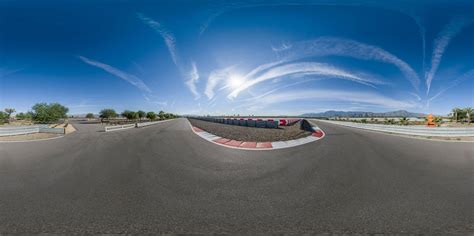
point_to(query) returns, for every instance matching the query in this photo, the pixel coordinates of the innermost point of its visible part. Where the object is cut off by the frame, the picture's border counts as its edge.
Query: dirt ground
(242, 133)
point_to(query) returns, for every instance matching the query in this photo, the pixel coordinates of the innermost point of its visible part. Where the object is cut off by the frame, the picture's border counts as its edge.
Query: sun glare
(235, 81)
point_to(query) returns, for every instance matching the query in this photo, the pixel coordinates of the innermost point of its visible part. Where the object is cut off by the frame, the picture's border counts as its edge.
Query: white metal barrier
(18, 130)
(411, 130)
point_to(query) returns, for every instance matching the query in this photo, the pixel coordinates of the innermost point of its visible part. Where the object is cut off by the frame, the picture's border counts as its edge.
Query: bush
(107, 113)
(89, 116)
(47, 113)
(24, 116)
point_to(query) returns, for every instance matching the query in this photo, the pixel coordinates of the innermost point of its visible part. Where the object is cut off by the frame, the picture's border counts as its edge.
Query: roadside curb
(316, 134)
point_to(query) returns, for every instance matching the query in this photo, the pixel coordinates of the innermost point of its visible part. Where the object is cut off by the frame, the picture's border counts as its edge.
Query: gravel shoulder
(251, 134)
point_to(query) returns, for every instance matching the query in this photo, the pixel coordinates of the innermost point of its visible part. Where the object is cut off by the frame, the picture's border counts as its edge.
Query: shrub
(24, 116)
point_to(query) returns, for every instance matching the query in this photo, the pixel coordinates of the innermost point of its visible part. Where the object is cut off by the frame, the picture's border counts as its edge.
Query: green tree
(90, 116)
(107, 114)
(363, 120)
(131, 115)
(47, 113)
(9, 112)
(151, 115)
(141, 114)
(3, 117)
(161, 114)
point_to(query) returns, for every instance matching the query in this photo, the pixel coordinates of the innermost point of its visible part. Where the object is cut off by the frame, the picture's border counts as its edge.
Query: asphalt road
(164, 178)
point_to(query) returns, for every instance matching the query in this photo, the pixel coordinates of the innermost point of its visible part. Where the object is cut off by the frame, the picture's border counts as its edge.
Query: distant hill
(400, 113)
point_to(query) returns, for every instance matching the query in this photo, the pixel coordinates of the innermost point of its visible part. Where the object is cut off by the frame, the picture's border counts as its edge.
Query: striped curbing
(317, 134)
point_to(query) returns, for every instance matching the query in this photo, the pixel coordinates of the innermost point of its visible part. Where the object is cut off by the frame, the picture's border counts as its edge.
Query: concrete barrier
(118, 127)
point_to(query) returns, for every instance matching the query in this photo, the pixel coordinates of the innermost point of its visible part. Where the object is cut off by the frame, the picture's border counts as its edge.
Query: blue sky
(244, 57)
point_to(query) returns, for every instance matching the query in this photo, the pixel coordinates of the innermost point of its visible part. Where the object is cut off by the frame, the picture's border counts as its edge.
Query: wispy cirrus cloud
(302, 68)
(132, 79)
(167, 36)
(187, 70)
(468, 75)
(453, 28)
(193, 78)
(328, 46)
(367, 98)
(215, 77)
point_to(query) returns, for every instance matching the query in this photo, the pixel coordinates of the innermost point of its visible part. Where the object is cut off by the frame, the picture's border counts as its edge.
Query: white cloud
(193, 78)
(306, 68)
(191, 74)
(132, 79)
(441, 43)
(326, 46)
(454, 83)
(215, 78)
(333, 95)
(167, 36)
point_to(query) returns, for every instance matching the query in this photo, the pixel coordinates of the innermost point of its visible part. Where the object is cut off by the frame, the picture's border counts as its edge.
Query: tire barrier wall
(252, 122)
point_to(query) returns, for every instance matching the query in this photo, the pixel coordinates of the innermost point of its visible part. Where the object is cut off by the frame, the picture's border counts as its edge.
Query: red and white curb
(317, 134)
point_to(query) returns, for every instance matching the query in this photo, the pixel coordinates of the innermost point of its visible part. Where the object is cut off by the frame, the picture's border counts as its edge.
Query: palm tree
(468, 111)
(404, 121)
(455, 114)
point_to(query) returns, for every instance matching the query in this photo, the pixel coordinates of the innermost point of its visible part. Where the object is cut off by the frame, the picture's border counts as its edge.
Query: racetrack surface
(164, 178)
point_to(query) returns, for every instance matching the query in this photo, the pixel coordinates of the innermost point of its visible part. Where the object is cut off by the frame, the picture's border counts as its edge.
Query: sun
(235, 81)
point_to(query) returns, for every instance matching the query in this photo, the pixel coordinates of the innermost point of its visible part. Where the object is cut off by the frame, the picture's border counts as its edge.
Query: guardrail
(19, 130)
(411, 130)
